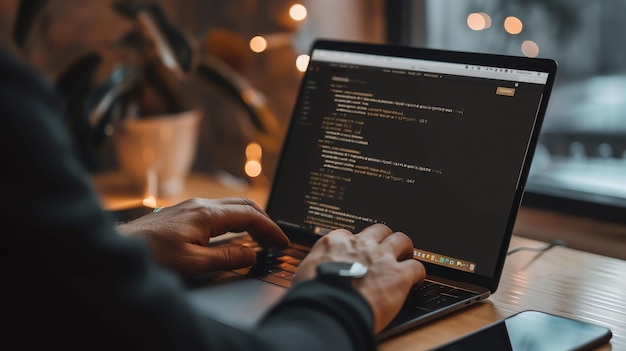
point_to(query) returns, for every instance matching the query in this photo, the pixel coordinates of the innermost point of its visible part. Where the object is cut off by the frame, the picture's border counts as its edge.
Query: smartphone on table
(533, 330)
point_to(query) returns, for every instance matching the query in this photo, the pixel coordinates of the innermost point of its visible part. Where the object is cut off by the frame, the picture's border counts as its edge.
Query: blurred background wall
(68, 29)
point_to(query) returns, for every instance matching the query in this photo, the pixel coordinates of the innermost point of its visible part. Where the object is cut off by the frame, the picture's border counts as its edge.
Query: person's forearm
(317, 316)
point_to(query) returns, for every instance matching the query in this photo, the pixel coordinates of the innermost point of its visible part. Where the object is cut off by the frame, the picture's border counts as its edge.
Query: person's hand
(388, 256)
(178, 235)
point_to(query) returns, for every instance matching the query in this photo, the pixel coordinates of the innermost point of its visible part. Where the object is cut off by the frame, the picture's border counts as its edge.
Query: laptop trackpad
(238, 301)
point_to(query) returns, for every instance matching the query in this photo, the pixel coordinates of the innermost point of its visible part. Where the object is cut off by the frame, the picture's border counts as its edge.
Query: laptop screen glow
(433, 149)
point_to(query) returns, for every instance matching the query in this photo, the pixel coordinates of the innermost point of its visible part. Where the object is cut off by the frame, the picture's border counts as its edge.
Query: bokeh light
(253, 168)
(150, 201)
(302, 62)
(478, 21)
(297, 12)
(254, 151)
(530, 48)
(258, 44)
(513, 25)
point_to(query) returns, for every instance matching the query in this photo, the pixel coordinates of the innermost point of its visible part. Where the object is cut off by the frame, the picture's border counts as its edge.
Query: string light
(297, 12)
(530, 48)
(302, 62)
(150, 201)
(261, 43)
(258, 44)
(254, 151)
(513, 25)
(253, 167)
(478, 21)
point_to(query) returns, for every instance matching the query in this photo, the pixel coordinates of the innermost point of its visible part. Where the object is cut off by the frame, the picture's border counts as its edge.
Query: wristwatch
(341, 270)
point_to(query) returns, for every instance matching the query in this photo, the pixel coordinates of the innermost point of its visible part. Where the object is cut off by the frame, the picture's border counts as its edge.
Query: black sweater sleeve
(75, 283)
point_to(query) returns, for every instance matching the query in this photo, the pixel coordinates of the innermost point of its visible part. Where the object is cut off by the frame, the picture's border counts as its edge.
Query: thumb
(228, 257)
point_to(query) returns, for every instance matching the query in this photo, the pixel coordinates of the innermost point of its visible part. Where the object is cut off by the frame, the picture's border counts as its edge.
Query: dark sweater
(75, 283)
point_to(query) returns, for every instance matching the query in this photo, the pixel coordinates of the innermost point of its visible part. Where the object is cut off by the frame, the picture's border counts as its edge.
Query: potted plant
(150, 75)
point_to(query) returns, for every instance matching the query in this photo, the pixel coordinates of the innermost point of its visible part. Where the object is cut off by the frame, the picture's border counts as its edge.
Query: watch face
(342, 269)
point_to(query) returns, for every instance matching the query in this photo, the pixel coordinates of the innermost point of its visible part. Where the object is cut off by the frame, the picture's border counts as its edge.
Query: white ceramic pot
(157, 152)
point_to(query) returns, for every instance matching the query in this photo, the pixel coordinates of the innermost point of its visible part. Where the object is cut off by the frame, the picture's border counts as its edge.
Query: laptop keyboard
(278, 266)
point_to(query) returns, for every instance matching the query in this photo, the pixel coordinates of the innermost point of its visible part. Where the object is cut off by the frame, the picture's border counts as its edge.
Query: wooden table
(562, 281)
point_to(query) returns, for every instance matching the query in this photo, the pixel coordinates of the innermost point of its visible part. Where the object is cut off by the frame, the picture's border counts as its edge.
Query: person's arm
(314, 308)
(179, 235)
(388, 256)
(376, 297)
(73, 281)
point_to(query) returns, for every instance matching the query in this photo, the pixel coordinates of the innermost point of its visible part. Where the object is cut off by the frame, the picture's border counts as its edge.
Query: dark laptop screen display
(432, 149)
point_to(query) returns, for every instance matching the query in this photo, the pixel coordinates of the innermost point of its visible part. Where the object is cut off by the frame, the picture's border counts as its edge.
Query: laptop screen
(432, 146)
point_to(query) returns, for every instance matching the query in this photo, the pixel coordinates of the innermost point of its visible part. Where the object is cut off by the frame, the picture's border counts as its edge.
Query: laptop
(436, 144)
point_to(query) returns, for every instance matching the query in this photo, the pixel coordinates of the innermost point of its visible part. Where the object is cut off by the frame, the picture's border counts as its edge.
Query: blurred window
(581, 157)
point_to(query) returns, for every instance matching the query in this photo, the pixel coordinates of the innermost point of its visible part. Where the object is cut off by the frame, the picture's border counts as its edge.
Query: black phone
(533, 330)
